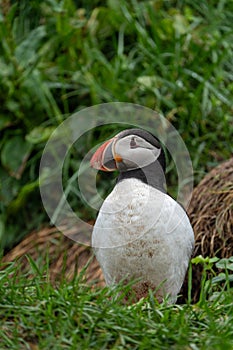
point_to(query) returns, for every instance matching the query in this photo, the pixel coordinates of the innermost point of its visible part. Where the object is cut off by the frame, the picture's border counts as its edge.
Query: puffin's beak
(104, 158)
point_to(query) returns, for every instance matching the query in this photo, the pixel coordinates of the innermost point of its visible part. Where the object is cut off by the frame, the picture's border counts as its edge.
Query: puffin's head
(130, 149)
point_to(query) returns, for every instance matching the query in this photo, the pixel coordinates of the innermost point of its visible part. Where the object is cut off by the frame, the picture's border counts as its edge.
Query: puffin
(141, 234)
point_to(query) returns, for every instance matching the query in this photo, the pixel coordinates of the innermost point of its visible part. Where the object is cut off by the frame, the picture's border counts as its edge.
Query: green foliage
(35, 315)
(57, 57)
(210, 286)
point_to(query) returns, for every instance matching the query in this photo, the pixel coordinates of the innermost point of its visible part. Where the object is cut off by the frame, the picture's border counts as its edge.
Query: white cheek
(140, 157)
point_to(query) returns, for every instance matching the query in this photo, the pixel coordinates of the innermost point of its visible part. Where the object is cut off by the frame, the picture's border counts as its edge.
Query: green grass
(36, 315)
(57, 57)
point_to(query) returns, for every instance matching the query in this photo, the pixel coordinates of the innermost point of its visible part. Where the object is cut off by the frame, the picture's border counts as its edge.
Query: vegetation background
(58, 57)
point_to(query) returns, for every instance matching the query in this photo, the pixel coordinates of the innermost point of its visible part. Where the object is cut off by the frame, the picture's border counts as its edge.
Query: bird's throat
(152, 175)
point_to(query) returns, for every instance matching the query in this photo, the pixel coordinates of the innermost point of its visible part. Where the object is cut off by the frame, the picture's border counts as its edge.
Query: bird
(141, 233)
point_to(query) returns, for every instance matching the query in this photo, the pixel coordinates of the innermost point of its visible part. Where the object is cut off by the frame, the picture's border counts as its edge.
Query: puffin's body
(141, 233)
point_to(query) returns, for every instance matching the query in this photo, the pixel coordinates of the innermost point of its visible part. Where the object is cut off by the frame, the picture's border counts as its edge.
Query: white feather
(143, 233)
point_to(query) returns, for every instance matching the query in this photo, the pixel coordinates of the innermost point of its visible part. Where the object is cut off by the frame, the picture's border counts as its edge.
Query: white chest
(143, 233)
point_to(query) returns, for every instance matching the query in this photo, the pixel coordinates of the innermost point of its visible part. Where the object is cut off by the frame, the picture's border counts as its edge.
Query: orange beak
(103, 158)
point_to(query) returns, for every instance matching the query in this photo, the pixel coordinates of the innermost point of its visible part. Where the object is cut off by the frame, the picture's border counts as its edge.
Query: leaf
(148, 81)
(14, 155)
(21, 199)
(39, 134)
(26, 52)
(5, 122)
(180, 24)
(225, 264)
(201, 260)
(9, 187)
(222, 277)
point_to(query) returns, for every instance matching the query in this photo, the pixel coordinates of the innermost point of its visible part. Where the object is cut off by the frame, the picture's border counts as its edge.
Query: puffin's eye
(133, 143)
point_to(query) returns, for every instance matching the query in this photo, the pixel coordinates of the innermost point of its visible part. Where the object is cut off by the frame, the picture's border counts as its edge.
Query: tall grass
(35, 315)
(58, 57)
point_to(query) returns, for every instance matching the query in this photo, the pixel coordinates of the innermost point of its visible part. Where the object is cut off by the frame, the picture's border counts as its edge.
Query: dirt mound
(211, 212)
(211, 215)
(65, 256)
